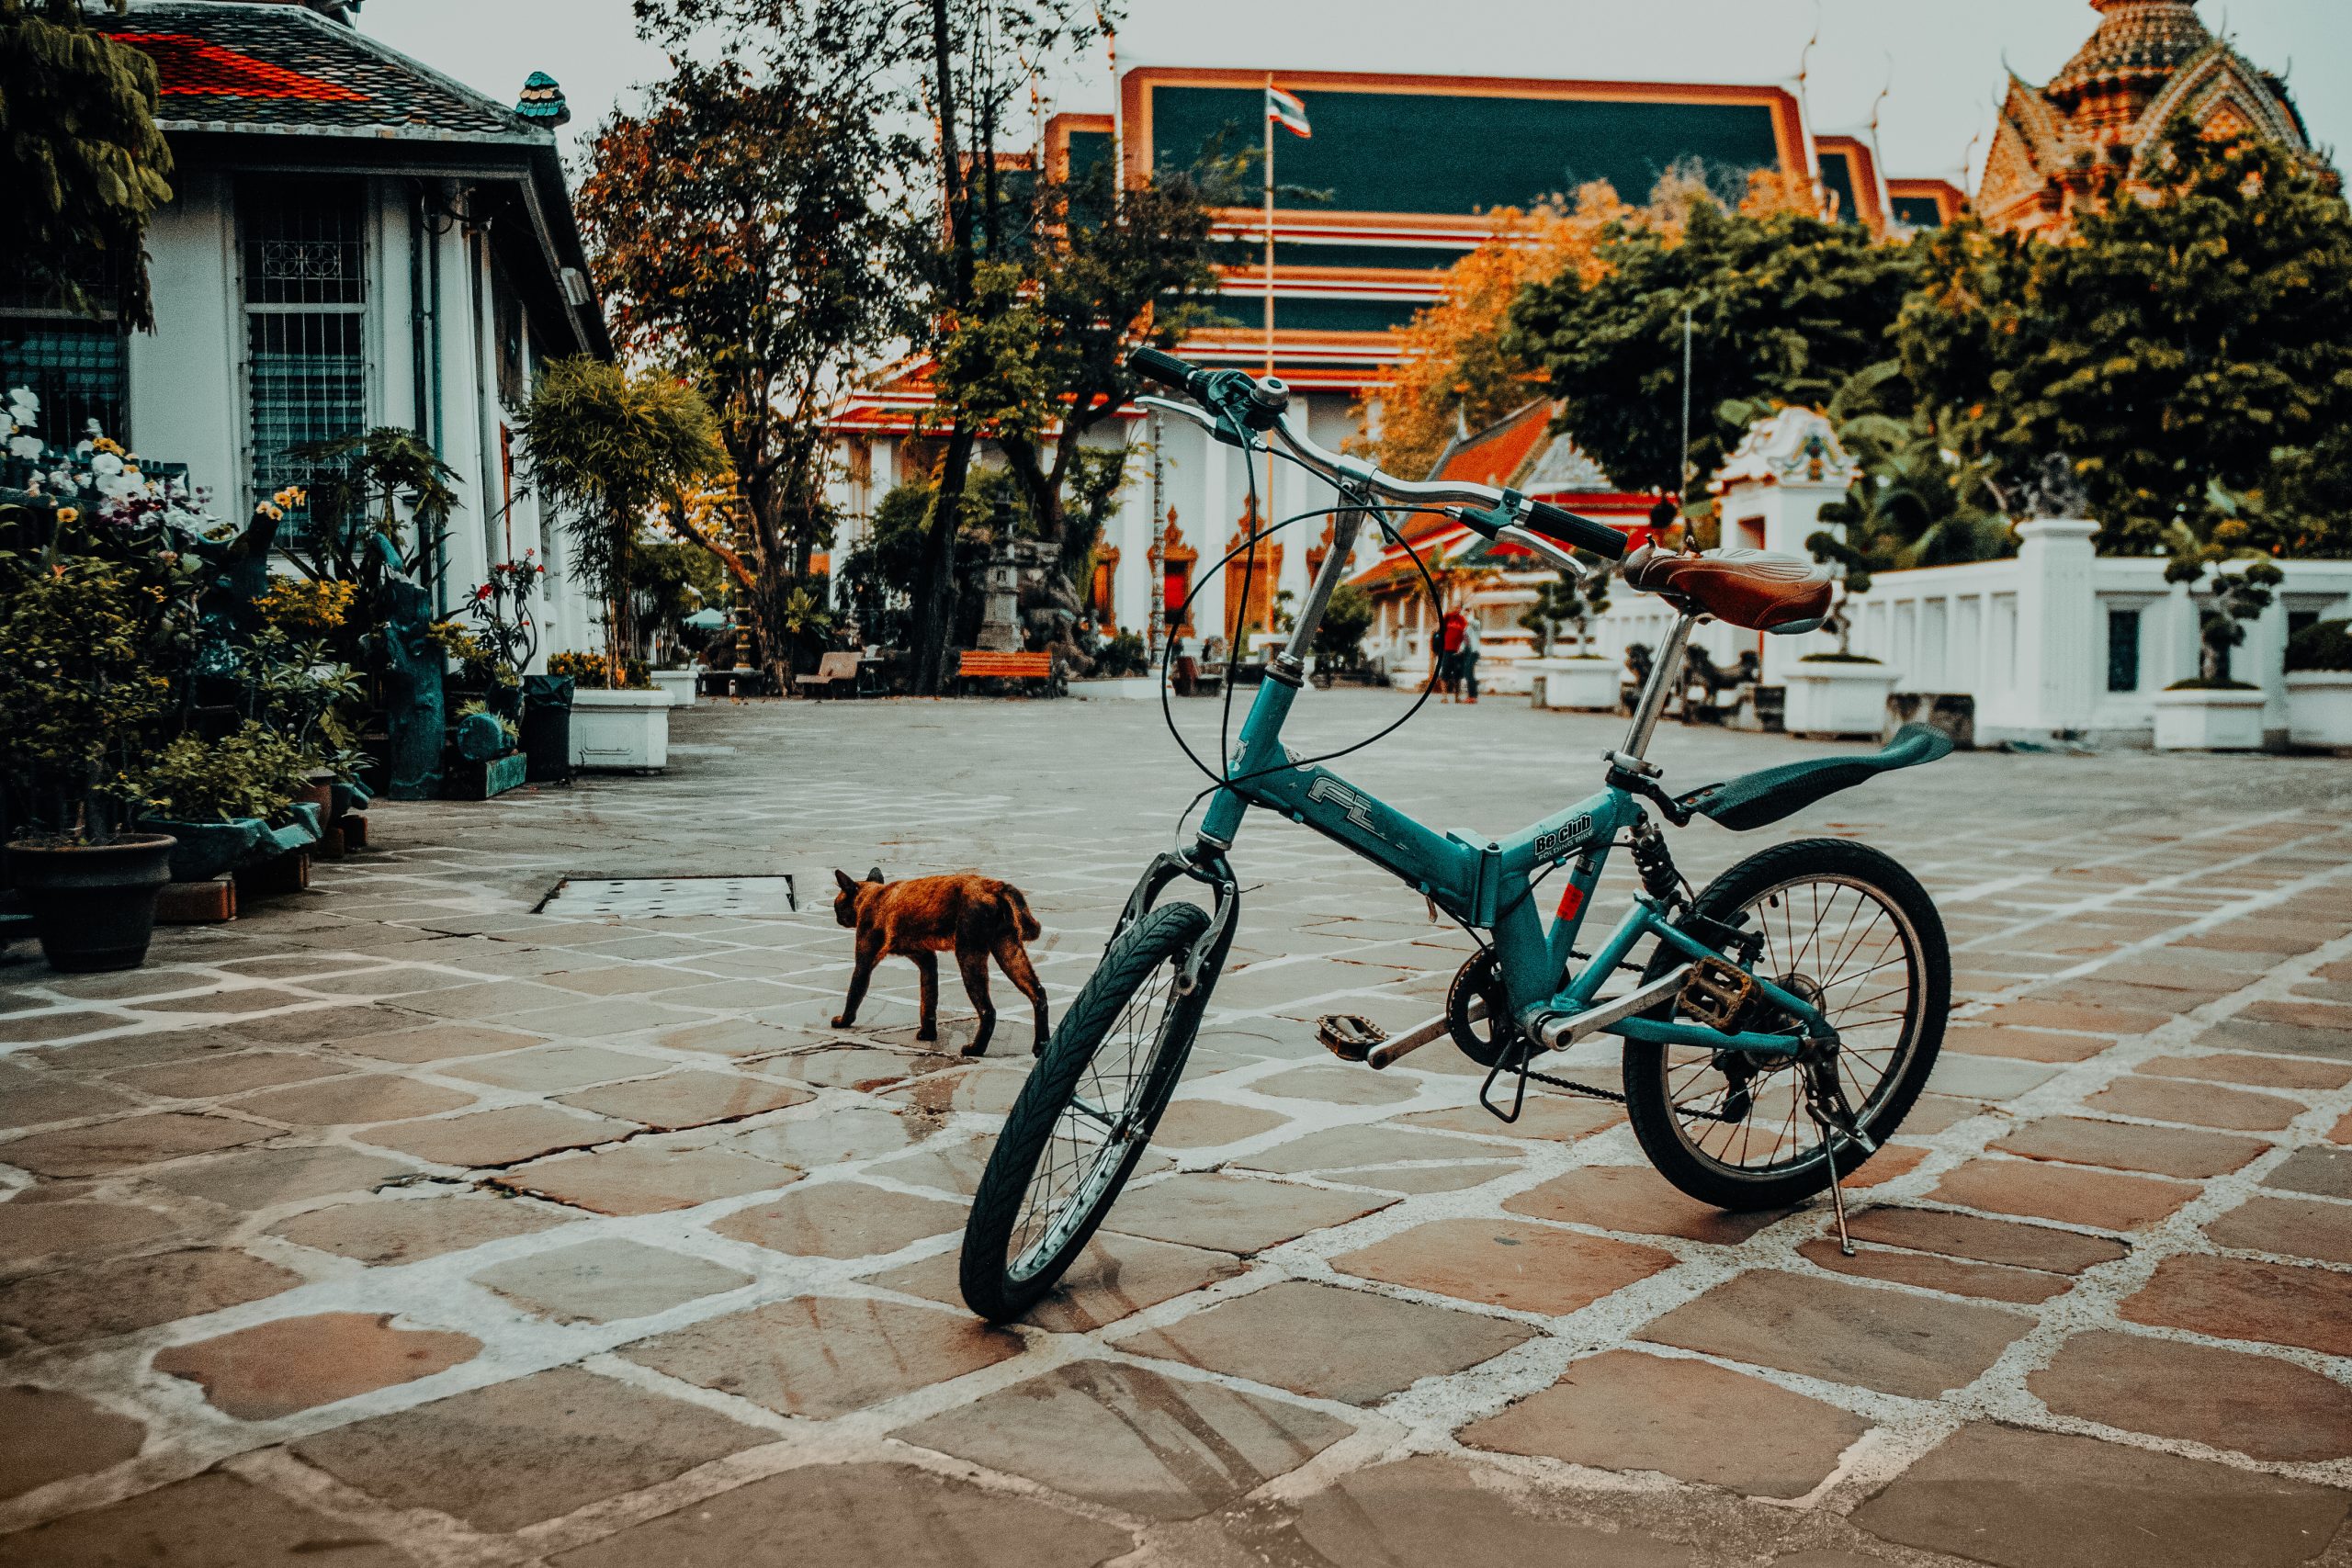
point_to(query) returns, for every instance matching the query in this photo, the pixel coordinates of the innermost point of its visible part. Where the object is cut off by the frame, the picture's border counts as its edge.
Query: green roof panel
(1427, 153)
(1838, 179)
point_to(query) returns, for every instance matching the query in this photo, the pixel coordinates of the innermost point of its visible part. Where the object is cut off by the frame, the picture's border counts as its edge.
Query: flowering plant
(501, 605)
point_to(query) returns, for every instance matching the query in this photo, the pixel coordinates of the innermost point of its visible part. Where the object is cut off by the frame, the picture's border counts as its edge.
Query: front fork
(1203, 863)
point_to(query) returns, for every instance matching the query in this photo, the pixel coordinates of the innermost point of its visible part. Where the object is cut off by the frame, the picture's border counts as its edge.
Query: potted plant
(370, 491)
(231, 802)
(607, 448)
(620, 721)
(1842, 693)
(79, 683)
(2319, 686)
(1581, 680)
(2215, 712)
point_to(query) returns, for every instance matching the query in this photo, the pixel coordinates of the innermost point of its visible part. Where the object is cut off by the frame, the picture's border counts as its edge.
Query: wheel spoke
(1848, 949)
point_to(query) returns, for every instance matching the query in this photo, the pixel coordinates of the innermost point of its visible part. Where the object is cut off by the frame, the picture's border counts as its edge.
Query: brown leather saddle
(1745, 588)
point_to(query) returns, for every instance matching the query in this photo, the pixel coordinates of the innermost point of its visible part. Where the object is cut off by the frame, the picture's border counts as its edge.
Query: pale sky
(1942, 59)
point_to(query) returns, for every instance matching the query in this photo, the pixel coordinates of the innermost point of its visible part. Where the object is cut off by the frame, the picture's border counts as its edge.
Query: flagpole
(1259, 522)
(1270, 225)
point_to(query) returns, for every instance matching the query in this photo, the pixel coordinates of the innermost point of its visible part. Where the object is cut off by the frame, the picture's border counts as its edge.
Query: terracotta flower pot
(93, 905)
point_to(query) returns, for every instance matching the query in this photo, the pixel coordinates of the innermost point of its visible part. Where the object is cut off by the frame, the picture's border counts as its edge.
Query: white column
(1130, 529)
(1205, 524)
(184, 401)
(2059, 630)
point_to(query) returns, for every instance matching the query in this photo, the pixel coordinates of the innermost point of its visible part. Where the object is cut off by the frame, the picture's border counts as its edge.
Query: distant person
(1187, 677)
(1465, 660)
(1447, 654)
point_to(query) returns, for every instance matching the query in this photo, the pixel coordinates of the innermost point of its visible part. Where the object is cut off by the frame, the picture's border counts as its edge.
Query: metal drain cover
(653, 897)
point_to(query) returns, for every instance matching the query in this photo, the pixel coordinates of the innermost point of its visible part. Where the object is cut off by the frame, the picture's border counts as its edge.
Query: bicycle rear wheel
(1082, 1119)
(1849, 929)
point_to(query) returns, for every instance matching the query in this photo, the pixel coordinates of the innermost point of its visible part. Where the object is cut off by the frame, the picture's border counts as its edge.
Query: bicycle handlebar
(1257, 405)
(1168, 370)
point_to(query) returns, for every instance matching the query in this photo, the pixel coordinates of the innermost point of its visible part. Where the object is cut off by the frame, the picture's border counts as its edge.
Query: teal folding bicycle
(1780, 1029)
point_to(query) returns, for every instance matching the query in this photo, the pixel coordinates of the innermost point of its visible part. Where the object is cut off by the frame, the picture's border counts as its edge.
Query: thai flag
(1285, 110)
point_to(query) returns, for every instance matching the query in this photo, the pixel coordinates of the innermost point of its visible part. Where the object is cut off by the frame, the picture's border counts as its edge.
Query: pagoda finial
(542, 102)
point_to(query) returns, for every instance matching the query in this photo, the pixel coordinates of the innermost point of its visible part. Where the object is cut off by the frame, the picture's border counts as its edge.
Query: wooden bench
(833, 670)
(982, 665)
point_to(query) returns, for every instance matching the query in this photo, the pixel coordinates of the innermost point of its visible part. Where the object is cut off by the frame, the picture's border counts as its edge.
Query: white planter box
(1587, 684)
(2209, 720)
(2319, 707)
(1125, 688)
(620, 731)
(1837, 698)
(679, 683)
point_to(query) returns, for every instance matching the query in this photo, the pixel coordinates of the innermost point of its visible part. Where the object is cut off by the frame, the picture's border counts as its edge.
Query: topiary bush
(2327, 645)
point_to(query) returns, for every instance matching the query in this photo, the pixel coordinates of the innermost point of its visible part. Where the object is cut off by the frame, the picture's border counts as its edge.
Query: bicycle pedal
(1348, 1035)
(1715, 992)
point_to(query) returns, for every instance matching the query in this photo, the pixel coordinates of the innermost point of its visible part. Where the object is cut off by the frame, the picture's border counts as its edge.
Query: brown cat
(975, 916)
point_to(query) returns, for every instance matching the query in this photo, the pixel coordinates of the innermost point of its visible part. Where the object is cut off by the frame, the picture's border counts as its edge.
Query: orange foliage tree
(1457, 368)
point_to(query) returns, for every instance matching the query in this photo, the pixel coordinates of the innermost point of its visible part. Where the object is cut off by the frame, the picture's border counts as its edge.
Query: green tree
(1084, 274)
(752, 230)
(978, 55)
(2188, 350)
(84, 166)
(1565, 601)
(608, 446)
(1783, 306)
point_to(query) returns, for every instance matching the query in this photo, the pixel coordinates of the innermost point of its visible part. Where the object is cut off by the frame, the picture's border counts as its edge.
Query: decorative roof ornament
(1565, 467)
(542, 102)
(2056, 146)
(1794, 446)
(2137, 41)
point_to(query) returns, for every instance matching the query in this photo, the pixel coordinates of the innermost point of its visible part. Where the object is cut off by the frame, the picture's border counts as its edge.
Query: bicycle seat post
(1652, 702)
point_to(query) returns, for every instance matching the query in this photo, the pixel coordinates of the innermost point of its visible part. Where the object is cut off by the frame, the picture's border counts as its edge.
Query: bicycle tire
(1650, 1101)
(997, 1283)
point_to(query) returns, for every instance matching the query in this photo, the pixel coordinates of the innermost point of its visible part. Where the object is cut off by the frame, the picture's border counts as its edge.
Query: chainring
(1485, 1039)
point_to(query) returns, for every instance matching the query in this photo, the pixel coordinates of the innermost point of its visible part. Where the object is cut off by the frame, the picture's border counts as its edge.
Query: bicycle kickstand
(1825, 1104)
(1837, 1190)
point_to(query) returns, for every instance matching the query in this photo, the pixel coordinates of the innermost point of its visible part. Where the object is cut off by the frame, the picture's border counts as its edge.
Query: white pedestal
(679, 683)
(2203, 721)
(620, 731)
(1837, 698)
(1587, 686)
(2319, 708)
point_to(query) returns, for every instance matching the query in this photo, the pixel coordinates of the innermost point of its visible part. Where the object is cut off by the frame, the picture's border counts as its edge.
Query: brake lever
(1190, 412)
(1564, 559)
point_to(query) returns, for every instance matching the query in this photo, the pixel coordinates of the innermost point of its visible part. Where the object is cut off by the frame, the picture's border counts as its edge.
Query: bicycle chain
(1611, 1096)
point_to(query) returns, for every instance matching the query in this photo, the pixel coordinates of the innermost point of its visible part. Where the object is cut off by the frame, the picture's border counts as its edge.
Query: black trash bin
(547, 728)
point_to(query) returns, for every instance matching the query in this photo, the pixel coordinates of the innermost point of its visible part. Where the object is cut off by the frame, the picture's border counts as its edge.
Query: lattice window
(2123, 650)
(74, 367)
(305, 283)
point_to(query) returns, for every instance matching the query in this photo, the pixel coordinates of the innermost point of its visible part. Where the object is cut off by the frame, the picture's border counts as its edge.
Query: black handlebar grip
(1568, 528)
(1167, 369)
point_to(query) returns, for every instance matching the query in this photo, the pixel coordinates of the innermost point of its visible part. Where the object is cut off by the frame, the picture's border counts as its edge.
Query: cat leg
(1015, 961)
(974, 963)
(867, 953)
(928, 963)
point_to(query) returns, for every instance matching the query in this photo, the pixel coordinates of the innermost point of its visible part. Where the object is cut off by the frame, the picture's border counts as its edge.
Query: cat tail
(1023, 921)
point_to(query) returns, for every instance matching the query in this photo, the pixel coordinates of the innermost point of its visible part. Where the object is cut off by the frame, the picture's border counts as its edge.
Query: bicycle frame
(1488, 884)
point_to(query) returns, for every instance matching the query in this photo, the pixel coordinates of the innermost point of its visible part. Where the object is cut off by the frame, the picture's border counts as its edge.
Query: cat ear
(874, 875)
(844, 878)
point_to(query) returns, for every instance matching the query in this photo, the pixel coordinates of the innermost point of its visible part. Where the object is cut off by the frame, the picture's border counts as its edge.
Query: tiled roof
(231, 66)
(1491, 455)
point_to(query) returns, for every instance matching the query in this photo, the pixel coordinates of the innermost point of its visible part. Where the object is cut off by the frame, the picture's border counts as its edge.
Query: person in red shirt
(1450, 632)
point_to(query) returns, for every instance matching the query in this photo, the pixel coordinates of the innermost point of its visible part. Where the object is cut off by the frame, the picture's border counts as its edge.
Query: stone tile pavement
(410, 1222)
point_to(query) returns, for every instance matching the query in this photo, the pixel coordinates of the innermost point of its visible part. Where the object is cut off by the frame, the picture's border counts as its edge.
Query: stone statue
(414, 665)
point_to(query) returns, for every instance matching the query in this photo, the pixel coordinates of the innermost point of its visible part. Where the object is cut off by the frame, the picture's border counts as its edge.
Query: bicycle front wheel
(1084, 1118)
(1854, 933)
